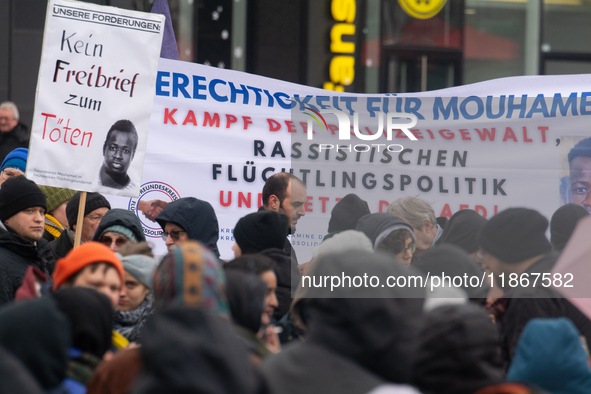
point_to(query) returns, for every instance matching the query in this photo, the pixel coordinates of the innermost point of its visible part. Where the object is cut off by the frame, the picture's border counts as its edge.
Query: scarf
(81, 366)
(52, 226)
(130, 323)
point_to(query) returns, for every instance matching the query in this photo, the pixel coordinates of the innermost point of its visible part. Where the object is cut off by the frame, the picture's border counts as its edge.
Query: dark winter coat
(62, 245)
(38, 334)
(120, 217)
(196, 217)
(526, 303)
(15, 377)
(353, 344)
(188, 350)
(458, 351)
(15, 138)
(288, 277)
(16, 255)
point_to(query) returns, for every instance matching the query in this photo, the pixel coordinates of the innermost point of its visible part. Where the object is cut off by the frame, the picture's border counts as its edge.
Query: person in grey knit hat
(136, 299)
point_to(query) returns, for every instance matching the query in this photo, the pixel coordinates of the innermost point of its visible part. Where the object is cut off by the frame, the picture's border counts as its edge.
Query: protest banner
(94, 97)
(217, 135)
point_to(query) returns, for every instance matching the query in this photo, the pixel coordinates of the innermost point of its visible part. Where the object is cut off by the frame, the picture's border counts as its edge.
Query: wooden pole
(80, 220)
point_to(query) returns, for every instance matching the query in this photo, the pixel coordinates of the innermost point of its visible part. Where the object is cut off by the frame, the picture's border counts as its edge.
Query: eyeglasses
(106, 240)
(175, 235)
(8, 173)
(412, 247)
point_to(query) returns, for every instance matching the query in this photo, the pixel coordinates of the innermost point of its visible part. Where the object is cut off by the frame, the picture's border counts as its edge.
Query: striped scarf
(52, 226)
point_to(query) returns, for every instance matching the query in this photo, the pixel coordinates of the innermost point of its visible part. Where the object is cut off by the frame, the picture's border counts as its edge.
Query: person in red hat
(91, 265)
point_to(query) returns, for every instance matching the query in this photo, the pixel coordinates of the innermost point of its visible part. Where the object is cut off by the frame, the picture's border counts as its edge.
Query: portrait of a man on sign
(118, 152)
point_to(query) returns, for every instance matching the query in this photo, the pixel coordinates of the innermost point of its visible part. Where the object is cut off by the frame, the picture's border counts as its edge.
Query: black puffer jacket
(196, 217)
(353, 344)
(16, 255)
(120, 217)
(288, 278)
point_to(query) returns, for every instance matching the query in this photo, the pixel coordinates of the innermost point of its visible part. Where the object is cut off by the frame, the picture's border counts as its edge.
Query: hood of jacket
(120, 217)
(462, 230)
(196, 217)
(38, 334)
(378, 226)
(246, 297)
(452, 261)
(458, 351)
(550, 355)
(378, 327)
(188, 350)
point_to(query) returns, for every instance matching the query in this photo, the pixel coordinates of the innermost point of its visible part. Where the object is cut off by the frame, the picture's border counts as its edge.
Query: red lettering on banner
(382, 205)
(168, 116)
(416, 133)
(247, 121)
(290, 126)
(543, 131)
(509, 134)
(324, 200)
(190, 118)
(242, 199)
(525, 139)
(446, 212)
(465, 134)
(211, 120)
(486, 133)
(227, 203)
(230, 119)
(308, 204)
(273, 125)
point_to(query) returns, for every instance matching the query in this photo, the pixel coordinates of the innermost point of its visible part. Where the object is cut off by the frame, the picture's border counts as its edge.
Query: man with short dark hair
(13, 133)
(22, 216)
(285, 193)
(118, 152)
(96, 207)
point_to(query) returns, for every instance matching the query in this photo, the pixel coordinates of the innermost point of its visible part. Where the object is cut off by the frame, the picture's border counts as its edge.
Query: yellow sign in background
(422, 9)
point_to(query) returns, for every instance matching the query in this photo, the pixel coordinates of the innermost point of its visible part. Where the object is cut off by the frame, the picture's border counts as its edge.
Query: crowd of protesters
(108, 317)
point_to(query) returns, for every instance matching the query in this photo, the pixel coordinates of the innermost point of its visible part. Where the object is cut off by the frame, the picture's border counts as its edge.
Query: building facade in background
(362, 46)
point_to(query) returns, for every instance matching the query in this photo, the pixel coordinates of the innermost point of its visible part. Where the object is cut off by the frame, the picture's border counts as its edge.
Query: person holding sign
(118, 152)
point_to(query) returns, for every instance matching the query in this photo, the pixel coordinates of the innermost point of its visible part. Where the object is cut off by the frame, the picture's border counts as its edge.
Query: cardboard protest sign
(217, 135)
(94, 97)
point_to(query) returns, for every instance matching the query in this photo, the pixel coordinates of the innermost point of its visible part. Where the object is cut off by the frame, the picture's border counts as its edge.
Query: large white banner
(218, 134)
(94, 97)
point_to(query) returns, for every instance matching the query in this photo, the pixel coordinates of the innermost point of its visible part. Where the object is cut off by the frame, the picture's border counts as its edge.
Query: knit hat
(16, 159)
(346, 213)
(261, 230)
(56, 196)
(78, 258)
(18, 194)
(462, 229)
(127, 233)
(563, 223)
(514, 235)
(140, 267)
(190, 275)
(93, 201)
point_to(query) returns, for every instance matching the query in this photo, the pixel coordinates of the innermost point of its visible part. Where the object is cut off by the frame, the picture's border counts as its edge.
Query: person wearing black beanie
(96, 207)
(259, 231)
(22, 216)
(346, 213)
(514, 248)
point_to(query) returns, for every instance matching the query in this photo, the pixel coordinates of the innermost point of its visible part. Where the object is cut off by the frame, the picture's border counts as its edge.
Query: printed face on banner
(118, 151)
(98, 65)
